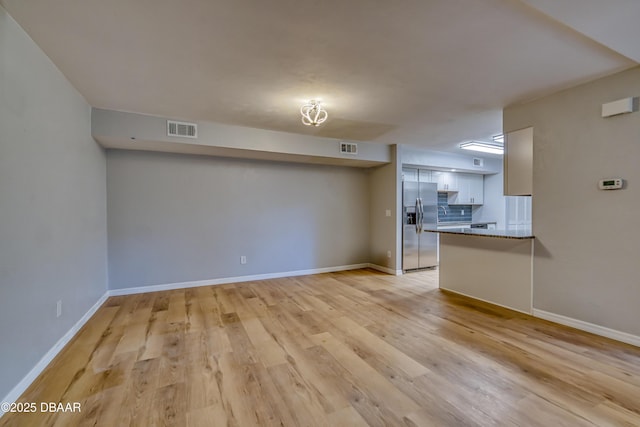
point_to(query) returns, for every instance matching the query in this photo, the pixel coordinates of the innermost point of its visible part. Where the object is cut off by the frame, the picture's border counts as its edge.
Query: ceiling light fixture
(485, 147)
(313, 114)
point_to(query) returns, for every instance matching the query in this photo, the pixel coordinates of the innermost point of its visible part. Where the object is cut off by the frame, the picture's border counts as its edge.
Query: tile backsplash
(455, 213)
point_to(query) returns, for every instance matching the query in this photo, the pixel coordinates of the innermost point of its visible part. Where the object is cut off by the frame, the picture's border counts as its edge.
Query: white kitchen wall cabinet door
(410, 175)
(424, 175)
(416, 175)
(447, 181)
(518, 162)
(470, 190)
(476, 189)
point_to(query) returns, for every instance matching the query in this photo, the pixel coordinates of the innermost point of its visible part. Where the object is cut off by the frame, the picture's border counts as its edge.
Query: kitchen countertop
(504, 234)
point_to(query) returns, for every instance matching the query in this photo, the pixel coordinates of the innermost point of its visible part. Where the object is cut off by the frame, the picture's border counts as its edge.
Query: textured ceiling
(424, 73)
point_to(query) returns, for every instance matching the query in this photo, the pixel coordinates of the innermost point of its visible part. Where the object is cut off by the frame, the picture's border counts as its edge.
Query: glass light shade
(484, 147)
(313, 114)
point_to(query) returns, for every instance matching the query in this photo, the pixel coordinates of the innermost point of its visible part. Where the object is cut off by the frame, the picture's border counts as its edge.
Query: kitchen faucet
(443, 208)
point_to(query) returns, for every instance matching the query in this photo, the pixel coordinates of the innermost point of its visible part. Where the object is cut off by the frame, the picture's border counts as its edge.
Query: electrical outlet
(59, 308)
(387, 212)
(243, 259)
(388, 254)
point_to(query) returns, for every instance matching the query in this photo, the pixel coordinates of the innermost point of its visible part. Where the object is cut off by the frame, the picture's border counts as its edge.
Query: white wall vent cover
(477, 162)
(182, 129)
(621, 106)
(348, 148)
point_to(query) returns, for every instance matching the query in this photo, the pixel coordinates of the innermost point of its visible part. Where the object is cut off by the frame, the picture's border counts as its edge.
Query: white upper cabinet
(447, 181)
(424, 175)
(518, 162)
(410, 175)
(416, 175)
(470, 190)
(463, 188)
(476, 189)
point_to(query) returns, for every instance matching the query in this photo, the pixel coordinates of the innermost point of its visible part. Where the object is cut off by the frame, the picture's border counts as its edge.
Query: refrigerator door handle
(421, 209)
(417, 220)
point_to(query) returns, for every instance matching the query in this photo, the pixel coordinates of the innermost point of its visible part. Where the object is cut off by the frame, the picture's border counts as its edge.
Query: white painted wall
(53, 239)
(176, 218)
(386, 232)
(587, 241)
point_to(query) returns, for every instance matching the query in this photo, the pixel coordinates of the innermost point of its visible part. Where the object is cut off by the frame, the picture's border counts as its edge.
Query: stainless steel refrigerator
(420, 210)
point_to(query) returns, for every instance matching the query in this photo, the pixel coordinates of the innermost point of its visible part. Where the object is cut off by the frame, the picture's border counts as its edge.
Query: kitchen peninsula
(490, 265)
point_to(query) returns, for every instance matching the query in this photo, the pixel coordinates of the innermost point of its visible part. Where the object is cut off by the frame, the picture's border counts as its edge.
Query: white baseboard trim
(236, 279)
(386, 270)
(588, 327)
(487, 301)
(20, 388)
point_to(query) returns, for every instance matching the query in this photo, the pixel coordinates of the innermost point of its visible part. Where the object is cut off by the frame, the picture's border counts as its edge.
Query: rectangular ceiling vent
(182, 129)
(477, 162)
(348, 148)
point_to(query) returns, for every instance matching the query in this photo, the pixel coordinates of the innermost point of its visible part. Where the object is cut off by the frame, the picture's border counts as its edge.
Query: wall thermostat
(610, 184)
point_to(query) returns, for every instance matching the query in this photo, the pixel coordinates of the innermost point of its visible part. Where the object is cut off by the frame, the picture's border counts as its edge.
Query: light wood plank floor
(340, 349)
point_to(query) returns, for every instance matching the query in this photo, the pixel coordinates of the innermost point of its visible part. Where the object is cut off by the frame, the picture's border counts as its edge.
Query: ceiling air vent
(348, 148)
(477, 162)
(182, 129)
